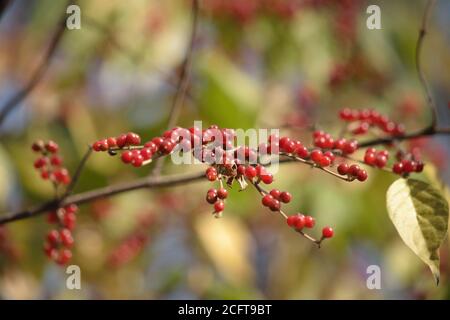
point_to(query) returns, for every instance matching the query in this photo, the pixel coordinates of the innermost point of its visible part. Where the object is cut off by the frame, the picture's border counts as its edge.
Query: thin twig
(183, 82)
(263, 192)
(78, 172)
(38, 74)
(422, 33)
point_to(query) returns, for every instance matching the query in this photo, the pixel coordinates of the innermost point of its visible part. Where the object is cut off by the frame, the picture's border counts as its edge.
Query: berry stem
(313, 165)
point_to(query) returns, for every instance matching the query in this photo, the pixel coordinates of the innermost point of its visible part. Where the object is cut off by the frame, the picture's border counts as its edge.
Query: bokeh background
(257, 64)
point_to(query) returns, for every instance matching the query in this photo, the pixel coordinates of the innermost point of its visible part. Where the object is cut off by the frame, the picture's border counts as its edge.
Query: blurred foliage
(118, 74)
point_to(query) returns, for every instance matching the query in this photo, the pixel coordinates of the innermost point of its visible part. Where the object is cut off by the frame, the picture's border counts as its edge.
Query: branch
(144, 183)
(159, 182)
(183, 82)
(428, 131)
(422, 32)
(38, 74)
(78, 172)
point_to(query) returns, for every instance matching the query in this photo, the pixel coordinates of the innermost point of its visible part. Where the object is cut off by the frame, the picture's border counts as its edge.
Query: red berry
(408, 166)
(324, 161)
(56, 160)
(53, 237)
(66, 237)
(275, 193)
(275, 205)
(97, 146)
(316, 155)
(152, 146)
(370, 158)
(133, 139)
(250, 172)
(38, 146)
(343, 169)
(40, 162)
(309, 222)
(211, 196)
(51, 146)
(419, 166)
(64, 256)
(346, 114)
(267, 200)
(318, 133)
(291, 221)
(340, 143)
(127, 157)
(289, 146)
(267, 178)
(112, 142)
(157, 141)
(211, 174)
(299, 222)
(330, 155)
(121, 140)
(362, 128)
(62, 176)
(397, 168)
(103, 145)
(219, 206)
(69, 220)
(380, 161)
(327, 232)
(71, 208)
(362, 175)
(137, 161)
(353, 170)
(283, 142)
(166, 146)
(302, 152)
(285, 197)
(45, 174)
(350, 146)
(146, 154)
(222, 193)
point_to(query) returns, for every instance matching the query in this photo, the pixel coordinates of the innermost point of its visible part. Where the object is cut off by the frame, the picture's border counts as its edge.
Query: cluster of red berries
(300, 221)
(274, 198)
(60, 241)
(126, 142)
(407, 163)
(376, 158)
(352, 172)
(50, 163)
(367, 118)
(325, 141)
(217, 198)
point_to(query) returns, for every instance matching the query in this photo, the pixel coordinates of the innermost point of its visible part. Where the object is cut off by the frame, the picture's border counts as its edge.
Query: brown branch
(38, 74)
(422, 33)
(428, 131)
(144, 183)
(157, 182)
(183, 82)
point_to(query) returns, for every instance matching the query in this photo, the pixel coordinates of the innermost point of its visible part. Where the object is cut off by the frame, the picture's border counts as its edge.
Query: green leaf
(420, 215)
